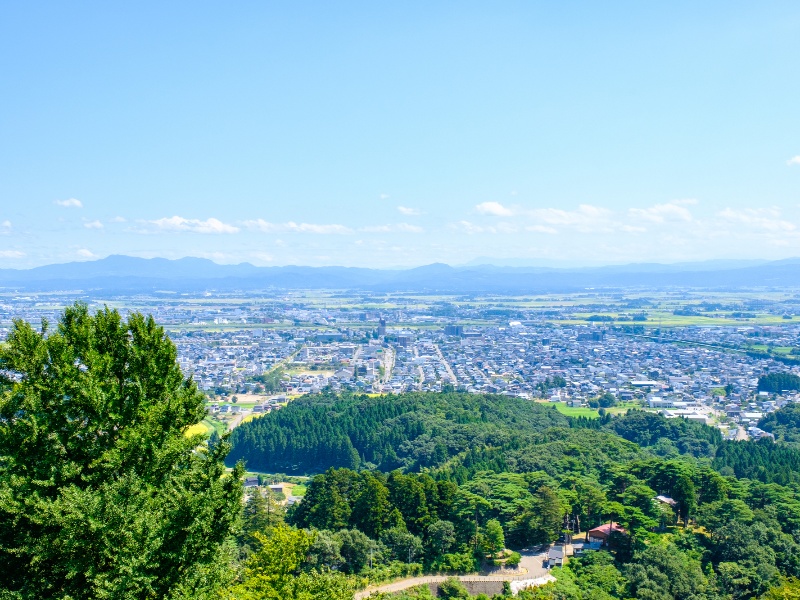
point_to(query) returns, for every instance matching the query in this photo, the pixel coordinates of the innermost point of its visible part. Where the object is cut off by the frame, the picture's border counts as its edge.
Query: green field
(581, 411)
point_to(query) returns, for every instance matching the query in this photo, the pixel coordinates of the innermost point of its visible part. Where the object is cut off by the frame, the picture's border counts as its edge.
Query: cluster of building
(291, 343)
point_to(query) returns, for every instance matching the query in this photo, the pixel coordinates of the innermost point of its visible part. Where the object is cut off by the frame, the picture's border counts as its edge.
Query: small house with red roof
(603, 532)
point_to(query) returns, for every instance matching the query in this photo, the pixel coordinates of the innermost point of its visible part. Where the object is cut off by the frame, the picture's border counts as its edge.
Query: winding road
(532, 572)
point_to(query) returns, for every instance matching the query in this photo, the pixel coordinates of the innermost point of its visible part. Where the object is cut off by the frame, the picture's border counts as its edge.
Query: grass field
(581, 411)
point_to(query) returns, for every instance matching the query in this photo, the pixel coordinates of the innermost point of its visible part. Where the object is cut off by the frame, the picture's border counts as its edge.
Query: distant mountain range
(126, 274)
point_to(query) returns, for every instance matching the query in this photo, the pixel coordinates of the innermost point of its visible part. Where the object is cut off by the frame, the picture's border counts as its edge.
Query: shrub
(453, 588)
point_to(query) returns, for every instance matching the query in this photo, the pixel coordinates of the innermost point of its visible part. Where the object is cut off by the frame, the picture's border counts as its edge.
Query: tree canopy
(102, 494)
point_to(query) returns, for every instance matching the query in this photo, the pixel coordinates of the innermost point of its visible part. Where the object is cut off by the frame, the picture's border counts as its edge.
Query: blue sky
(399, 134)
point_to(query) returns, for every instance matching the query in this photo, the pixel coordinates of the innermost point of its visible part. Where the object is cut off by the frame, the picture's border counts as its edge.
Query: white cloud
(471, 228)
(586, 218)
(795, 160)
(93, 225)
(766, 219)
(405, 210)
(69, 203)
(118, 220)
(670, 211)
(11, 254)
(403, 227)
(493, 208)
(177, 223)
(6, 224)
(468, 228)
(291, 226)
(85, 253)
(384, 196)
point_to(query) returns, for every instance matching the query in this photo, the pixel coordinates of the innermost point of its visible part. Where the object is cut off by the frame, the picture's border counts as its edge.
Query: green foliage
(412, 430)
(402, 545)
(762, 460)
(493, 538)
(102, 494)
(463, 562)
(261, 512)
(274, 571)
(441, 535)
(777, 382)
(452, 588)
(271, 380)
(524, 488)
(663, 572)
(648, 429)
(784, 424)
(789, 589)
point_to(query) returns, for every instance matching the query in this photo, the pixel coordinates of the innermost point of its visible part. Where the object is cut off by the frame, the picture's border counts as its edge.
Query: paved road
(446, 364)
(531, 567)
(236, 421)
(388, 364)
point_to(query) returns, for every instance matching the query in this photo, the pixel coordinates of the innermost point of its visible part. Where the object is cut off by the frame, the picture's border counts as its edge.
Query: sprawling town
(253, 354)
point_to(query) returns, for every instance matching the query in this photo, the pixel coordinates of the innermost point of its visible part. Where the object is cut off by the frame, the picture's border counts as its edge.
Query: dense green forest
(104, 495)
(424, 431)
(784, 424)
(410, 431)
(522, 468)
(777, 382)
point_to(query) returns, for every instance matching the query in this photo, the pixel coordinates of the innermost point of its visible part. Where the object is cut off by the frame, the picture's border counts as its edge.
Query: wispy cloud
(471, 228)
(402, 227)
(493, 208)
(178, 224)
(93, 225)
(118, 220)
(765, 219)
(468, 227)
(85, 253)
(292, 227)
(384, 196)
(411, 212)
(795, 160)
(11, 254)
(5, 227)
(659, 213)
(586, 218)
(69, 203)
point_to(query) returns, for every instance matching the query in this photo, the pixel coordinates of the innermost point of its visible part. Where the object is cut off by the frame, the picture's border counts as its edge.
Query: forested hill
(408, 431)
(784, 424)
(467, 433)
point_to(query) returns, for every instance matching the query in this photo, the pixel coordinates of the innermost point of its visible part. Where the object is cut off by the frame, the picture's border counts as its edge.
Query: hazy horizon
(479, 261)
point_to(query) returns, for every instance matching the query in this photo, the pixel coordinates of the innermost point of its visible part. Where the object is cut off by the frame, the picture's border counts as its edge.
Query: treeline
(777, 382)
(410, 431)
(735, 537)
(784, 424)
(420, 431)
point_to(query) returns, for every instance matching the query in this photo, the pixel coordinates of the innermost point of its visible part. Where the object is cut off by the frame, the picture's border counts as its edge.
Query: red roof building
(602, 533)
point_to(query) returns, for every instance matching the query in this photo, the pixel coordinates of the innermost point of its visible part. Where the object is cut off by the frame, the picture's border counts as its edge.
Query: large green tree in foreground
(101, 493)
